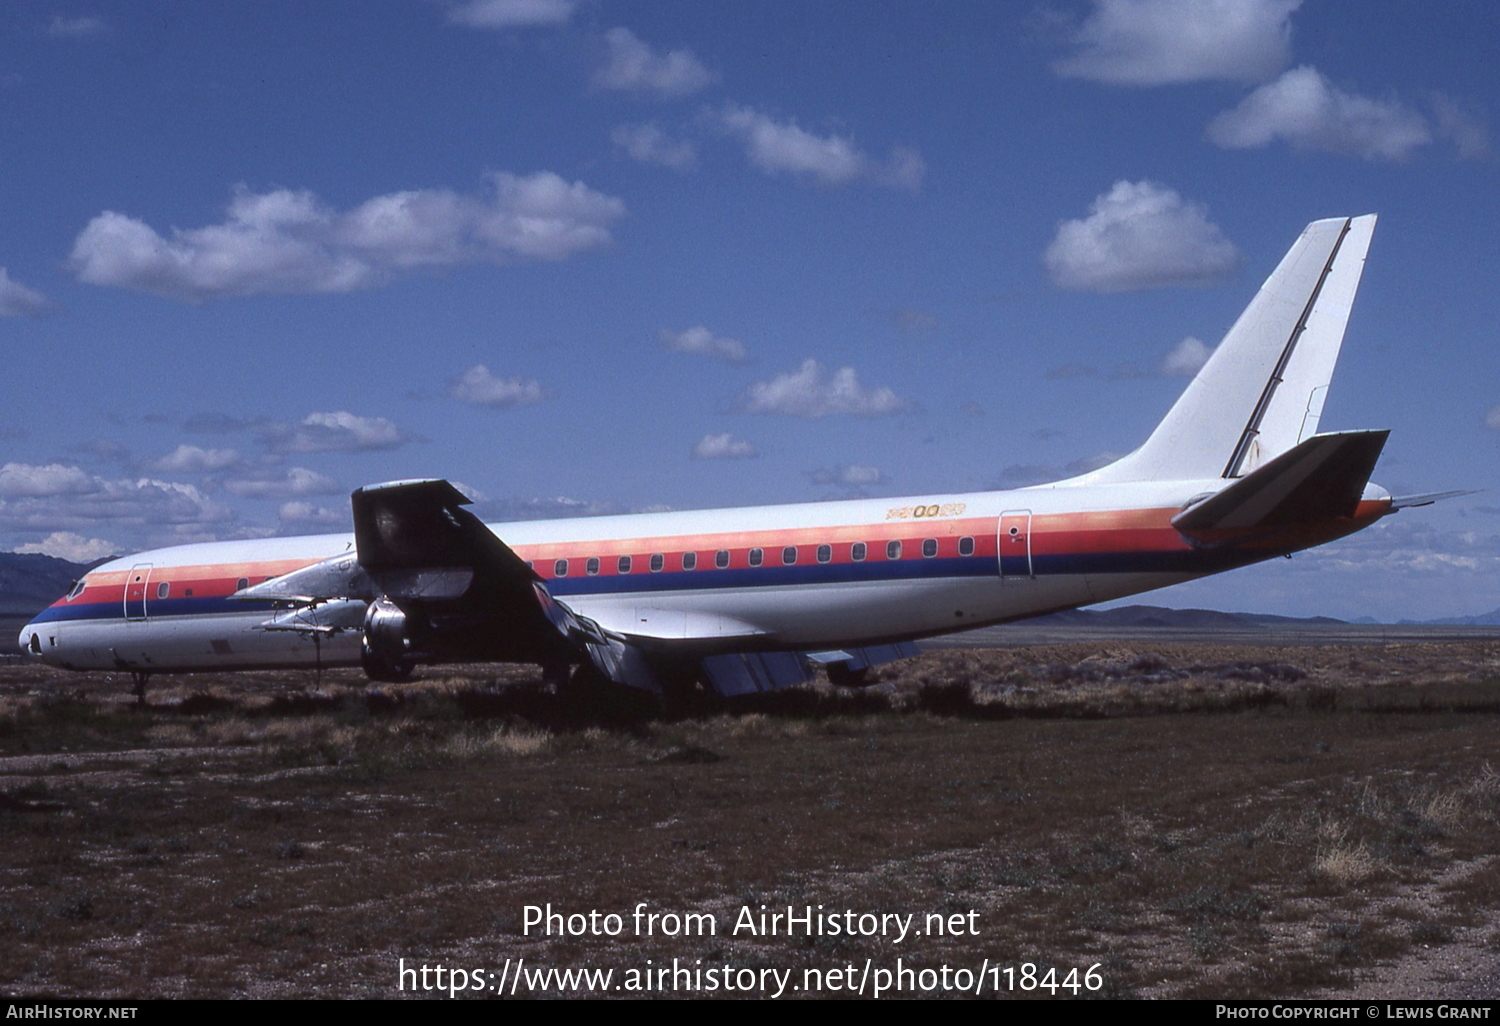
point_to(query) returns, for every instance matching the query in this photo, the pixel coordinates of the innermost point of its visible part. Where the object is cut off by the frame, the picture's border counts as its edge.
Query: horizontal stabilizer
(1318, 479)
(1408, 501)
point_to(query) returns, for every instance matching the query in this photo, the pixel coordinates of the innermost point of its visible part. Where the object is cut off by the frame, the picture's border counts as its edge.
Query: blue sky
(583, 256)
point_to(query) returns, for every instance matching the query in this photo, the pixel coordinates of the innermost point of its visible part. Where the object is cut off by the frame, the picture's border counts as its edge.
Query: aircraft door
(1014, 545)
(135, 591)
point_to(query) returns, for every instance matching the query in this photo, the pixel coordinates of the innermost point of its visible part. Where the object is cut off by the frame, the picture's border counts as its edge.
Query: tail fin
(1262, 390)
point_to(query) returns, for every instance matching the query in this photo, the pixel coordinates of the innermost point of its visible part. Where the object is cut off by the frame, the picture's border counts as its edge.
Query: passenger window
(623, 566)
(756, 555)
(592, 566)
(893, 550)
(690, 560)
(163, 590)
(857, 552)
(966, 546)
(929, 548)
(560, 568)
(789, 555)
(721, 559)
(825, 553)
(188, 593)
(657, 562)
(243, 583)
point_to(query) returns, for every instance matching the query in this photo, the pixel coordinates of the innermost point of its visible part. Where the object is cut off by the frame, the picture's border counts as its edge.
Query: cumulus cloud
(850, 475)
(292, 481)
(75, 548)
(1310, 113)
(1156, 42)
(503, 14)
(810, 392)
(305, 513)
(332, 432)
(634, 67)
(190, 459)
(723, 447)
(649, 144)
(16, 300)
(699, 339)
(478, 386)
(1139, 235)
(545, 508)
(75, 28)
(19, 480)
(785, 148)
(55, 497)
(285, 241)
(1186, 358)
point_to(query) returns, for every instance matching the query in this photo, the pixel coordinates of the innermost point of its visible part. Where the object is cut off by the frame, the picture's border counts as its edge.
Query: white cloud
(29, 480)
(480, 387)
(808, 392)
(851, 475)
(633, 66)
(1310, 113)
(785, 148)
(1492, 419)
(190, 459)
(650, 145)
(699, 339)
(285, 241)
(73, 547)
(75, 28)
(292, 481)
(1139, 235)
(333, 432)
(723, 447)
(1459, 122)
(1186, 358)
(502, 14)
(307, 513)
(16, 300)
(1155, 42)
(55, 498)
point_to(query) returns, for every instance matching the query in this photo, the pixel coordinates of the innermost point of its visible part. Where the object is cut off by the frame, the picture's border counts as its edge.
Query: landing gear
(140, 677)
(591, 696)
(386, 671)
(840, 675)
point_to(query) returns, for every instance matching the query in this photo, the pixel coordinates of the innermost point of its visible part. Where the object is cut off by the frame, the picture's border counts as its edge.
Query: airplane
(755, 599)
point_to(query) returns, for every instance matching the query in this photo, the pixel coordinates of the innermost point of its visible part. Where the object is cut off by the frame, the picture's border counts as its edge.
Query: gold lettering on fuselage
(944, 509)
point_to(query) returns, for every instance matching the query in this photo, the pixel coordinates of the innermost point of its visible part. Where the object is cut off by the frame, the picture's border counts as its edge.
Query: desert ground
(1185, 818)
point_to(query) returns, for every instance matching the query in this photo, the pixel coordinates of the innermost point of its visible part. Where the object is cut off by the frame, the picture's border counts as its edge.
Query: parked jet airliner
(748, 599)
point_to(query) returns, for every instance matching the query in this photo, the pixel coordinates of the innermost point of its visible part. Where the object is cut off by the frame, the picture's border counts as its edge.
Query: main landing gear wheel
(386, 671)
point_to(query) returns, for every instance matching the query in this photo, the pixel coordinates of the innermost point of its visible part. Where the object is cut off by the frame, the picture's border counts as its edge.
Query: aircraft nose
(29, 642)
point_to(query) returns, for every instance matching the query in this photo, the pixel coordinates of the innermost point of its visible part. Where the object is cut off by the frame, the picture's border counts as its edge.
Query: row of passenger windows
(164, 588)
(858, 552)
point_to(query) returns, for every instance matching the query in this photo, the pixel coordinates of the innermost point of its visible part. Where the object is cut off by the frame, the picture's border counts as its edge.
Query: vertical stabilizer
(1262, 390)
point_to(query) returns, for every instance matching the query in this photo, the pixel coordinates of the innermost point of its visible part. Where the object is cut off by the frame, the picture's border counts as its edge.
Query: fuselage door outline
(1014, 545)
(135, 591)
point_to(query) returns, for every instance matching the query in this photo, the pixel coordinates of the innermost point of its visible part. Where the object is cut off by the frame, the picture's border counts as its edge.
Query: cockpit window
(74, 591)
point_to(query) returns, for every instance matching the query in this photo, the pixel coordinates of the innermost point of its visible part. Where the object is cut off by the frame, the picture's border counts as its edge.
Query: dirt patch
(1192, 820)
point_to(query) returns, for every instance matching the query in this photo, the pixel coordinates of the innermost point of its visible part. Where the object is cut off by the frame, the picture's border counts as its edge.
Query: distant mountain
(31, 582)
(1490, 619)
(1159, 616)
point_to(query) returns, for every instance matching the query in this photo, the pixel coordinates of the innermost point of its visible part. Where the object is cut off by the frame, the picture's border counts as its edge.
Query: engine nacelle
(387, 649)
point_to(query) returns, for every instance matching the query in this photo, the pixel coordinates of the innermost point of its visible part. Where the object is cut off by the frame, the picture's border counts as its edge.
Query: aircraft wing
(428, 581)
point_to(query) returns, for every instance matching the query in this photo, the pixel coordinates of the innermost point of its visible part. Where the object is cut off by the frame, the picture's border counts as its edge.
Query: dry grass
(1202, 821)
